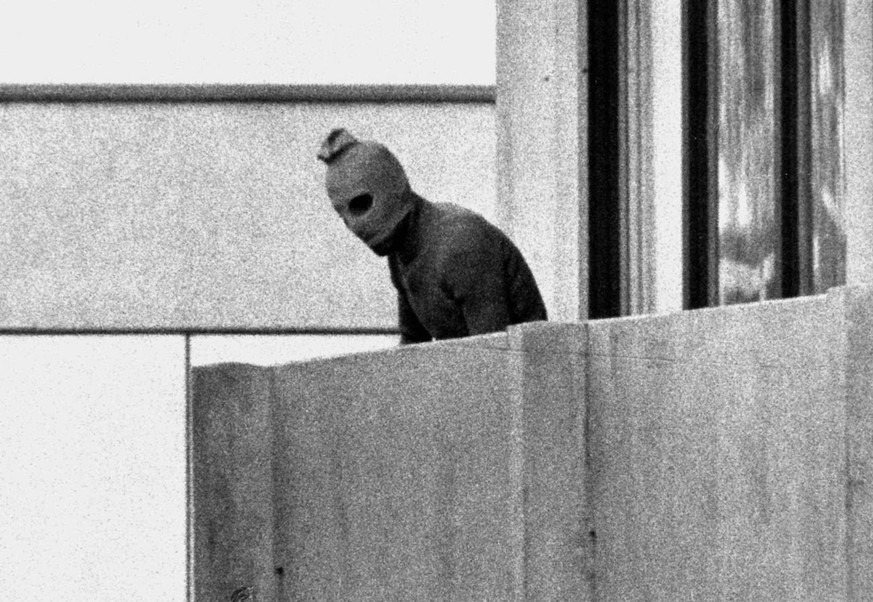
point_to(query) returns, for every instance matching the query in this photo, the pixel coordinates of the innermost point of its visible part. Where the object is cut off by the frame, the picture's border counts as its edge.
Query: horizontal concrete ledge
(182, 330)
(540, 338)
(202, 93)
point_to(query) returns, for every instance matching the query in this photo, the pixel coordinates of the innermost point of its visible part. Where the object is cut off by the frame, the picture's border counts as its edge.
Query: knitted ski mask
(367, 187)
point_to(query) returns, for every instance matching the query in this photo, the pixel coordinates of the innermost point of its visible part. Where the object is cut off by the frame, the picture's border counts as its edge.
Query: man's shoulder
(464, 239)
(459, 225)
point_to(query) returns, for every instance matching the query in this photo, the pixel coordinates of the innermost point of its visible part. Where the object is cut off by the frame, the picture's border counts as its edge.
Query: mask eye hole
(360, 204)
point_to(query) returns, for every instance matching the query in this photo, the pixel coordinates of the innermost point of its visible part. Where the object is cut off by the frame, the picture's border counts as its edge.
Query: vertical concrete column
(858, 140)
(666, 151)
(541, 145)
(548, 368)
(857, 305)
(232, 482)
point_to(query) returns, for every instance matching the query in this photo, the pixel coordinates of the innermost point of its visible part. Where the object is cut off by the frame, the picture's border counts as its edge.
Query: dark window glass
(826, 139)
(748, 237)
(764, 152)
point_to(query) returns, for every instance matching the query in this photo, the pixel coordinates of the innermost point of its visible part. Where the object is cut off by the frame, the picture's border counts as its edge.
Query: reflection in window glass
(826, 106)
(747, 159)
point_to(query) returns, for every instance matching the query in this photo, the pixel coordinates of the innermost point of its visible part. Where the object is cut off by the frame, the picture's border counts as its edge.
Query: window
(763, 150)
(827, 155)
(747, 154)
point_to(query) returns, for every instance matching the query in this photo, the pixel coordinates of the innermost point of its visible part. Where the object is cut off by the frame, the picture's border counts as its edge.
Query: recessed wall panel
(172, 215)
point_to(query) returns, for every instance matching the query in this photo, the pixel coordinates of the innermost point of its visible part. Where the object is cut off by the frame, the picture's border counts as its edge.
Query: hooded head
(367, 187)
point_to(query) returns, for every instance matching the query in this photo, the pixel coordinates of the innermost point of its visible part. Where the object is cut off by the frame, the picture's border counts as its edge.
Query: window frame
(793, 147)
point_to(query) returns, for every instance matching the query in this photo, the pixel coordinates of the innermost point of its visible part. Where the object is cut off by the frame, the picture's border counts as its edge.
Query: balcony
(713, 454)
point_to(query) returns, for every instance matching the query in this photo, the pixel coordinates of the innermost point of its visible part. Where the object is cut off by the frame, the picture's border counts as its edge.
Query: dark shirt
(458, 275)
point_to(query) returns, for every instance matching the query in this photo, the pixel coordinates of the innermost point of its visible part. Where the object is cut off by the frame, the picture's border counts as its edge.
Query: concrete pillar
(858, 140)
(666, 151)
(541, 145)
(232, 483)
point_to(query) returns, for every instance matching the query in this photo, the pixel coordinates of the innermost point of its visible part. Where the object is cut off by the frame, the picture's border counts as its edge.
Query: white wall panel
(209, 215)
(93, 459)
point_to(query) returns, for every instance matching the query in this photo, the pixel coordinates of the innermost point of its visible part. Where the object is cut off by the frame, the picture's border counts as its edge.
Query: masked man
(456, 274)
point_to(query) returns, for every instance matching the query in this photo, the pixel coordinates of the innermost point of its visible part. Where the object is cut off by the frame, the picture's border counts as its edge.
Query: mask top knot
(338, 141)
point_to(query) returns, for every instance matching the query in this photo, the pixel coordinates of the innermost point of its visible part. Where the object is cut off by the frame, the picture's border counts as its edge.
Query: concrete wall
(857, 340)
(448, 471)
(721, 452)
(232, 484)
(716, 454)
(542, 150)
(208, 215)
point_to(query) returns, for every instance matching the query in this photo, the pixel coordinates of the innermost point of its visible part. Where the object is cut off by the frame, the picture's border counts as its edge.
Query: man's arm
(411, 330)
(474, 271)
(485, 313)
